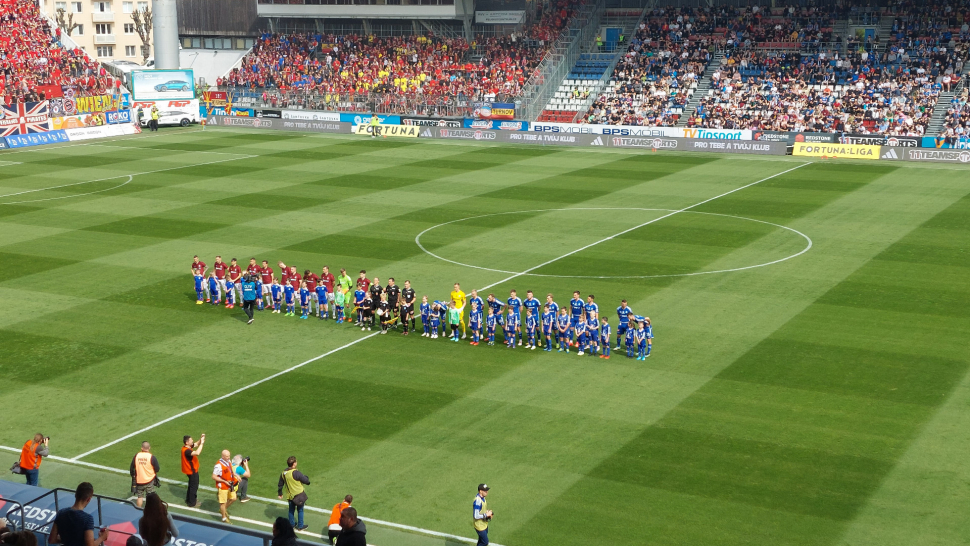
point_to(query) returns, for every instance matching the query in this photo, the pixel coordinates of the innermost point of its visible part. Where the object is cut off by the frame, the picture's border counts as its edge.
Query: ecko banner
(638, 131)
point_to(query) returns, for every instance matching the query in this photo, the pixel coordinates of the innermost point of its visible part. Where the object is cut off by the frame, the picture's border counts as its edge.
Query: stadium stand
(33, 58)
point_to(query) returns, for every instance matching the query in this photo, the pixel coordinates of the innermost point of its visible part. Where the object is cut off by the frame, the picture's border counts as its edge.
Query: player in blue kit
(641, 341)
(475, 323)
(321, 293)
(593, 332)
(515, 308)
(214, 288)
(435, 319)
(562, 329)
(531, 323)
(199, 286)
(289, 295)
(304, 300)
(630, 340)
(490, 322)
(259, 292)
(623, 313)
(576, 309)
(425, 316)
(230, 294)
(605, 338)
(548, 318)
(359, 296)
(591, 306)
(532, 306)
(276, 291)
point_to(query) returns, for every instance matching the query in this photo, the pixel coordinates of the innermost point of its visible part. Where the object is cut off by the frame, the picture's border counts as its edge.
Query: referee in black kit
(393, 292)
(407, 307)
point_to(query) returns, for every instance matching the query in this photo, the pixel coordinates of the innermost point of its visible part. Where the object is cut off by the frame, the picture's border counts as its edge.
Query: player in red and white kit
(294, 279)
(266, 272)
(235, 275)
(219, 268)
(199, 265)
(363, 283)
(311, 285)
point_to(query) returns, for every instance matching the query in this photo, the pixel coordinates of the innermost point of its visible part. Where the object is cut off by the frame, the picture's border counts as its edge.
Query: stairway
(703, 87)
(935, 126)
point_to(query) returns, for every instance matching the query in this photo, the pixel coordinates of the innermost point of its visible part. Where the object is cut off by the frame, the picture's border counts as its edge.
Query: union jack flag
(24, 118)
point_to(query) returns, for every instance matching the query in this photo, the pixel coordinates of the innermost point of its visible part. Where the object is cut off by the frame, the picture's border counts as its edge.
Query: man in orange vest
(225, 478)
(333, 527)
(32, 455)
(144, 473)
(190, 467)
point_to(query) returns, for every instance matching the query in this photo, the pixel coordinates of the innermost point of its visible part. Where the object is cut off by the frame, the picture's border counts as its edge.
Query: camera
(246, 459)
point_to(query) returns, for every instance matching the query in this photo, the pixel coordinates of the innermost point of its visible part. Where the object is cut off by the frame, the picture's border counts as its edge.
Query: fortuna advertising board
(408, 131)
(638, 131)
(845, 151)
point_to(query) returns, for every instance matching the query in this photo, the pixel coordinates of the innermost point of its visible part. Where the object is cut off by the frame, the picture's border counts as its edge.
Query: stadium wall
(217, 17)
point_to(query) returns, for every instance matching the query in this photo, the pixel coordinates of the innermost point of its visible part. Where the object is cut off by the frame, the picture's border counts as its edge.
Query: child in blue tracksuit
(630, 336)
(434, 320)
(475, 321)
(304, 300)
(605, 338)
(214, 288)
(548, 318)
(641, 340)
(648, 336)
(593, 333)
(510, 327)
(276, 290)
(199, 287)
(581, 339)
(288, 296)
(321, 301)
(562, 329)
(230, 293)
(259, 293)
(490, 322)
(425, 316)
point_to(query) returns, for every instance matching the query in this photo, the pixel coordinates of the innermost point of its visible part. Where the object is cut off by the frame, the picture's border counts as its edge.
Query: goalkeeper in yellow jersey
(458, 298)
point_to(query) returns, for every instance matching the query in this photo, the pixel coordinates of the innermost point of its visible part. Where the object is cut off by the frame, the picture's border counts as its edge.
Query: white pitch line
(243, 156)
(277, 502)
(625, 231)
(223, 397)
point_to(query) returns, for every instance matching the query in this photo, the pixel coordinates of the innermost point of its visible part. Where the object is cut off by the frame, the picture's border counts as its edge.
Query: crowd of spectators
(956, 124)
(427, 67)
(892, 92)
(32, 57)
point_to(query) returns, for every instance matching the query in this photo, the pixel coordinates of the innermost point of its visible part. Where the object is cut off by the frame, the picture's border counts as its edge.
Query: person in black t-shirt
(75, 527)
(376, 290)
(407, 306)
(384, 312)
(367, 313)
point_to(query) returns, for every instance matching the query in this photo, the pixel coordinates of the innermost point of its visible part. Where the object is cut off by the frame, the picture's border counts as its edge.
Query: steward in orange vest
(144, 473)
(190, 467)
(31, 456)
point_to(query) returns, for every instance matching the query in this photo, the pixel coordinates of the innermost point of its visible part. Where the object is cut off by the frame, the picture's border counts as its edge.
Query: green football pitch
(807, 386)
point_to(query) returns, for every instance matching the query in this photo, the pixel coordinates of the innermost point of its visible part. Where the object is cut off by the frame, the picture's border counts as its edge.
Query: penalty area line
(267, 500)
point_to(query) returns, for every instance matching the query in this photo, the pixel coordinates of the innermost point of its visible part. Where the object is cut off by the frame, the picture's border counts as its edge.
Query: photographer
(249, 296)
(294, 480)
(31, 456)
(241, 465)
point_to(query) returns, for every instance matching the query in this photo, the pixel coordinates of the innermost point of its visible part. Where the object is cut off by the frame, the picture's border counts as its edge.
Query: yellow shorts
(226, 495)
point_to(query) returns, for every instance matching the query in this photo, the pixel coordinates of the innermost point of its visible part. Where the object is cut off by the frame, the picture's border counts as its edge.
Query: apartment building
(104, 28)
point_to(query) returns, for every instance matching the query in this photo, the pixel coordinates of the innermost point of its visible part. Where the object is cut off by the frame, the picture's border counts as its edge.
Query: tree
(143, 26)
(66, 21)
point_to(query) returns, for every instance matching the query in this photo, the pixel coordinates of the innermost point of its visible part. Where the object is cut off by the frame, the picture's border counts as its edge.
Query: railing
(103, 17)
(558, 61)
(104, 38)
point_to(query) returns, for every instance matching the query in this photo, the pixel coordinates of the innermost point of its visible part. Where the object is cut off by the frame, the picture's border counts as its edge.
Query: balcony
(103, 17)
(100, 39)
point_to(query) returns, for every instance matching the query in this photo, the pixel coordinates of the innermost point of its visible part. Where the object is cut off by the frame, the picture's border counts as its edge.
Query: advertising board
(162, 84)
(513, 125)
(281, 124)
(364, 119)
(36, 139)
(923, 154)
(511, 17)
(638, 131)
(431, 122)
(311, 116)
(406, 131)
(831, 151)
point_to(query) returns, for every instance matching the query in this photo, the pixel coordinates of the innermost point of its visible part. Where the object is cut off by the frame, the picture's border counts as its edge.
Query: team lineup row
(578, 325)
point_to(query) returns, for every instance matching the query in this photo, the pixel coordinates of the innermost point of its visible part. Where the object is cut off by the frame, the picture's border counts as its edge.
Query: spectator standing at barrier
(241, 466)
(19, 538)
(31, 455)
(293, 481)
(156, 526)
(190, 467)
(144, 473)
(225, 478)
(333, 526)
(75, 527)
(283, 534)
(481, 514)
(352, 530)
(249, 296)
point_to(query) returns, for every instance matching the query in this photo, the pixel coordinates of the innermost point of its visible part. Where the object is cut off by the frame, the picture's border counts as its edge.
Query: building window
(105, 51)
(79, 30)
(129, 28)
(59, 6)
(127, 7)
(102, 7)
(76, 7)
(197, 43)
(129, 51)
(102, 28)
(142, 6)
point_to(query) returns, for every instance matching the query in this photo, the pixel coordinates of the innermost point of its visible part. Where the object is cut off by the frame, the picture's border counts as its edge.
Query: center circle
(808, 243)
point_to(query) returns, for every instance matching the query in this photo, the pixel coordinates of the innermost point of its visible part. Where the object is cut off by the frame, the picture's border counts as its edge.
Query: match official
(481, 514)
